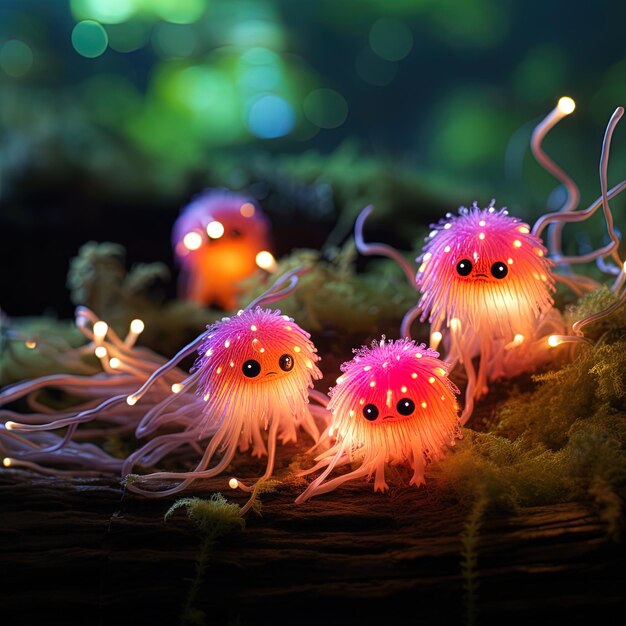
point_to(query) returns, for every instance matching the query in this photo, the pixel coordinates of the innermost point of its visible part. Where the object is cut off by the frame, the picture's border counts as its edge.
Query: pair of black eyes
(252, 368)
(405, 406)
(498, 269)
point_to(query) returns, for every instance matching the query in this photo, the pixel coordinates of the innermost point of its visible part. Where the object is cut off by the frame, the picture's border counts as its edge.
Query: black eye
(251, 368)
(464, 267)
(286, 362)
(405, 406)
(499, 270)
(370, 412)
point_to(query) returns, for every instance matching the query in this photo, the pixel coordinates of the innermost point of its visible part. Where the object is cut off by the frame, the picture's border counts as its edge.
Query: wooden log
(85, 551)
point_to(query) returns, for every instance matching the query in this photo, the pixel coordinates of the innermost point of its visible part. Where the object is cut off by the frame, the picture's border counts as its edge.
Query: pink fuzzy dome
(486, 269)
(394, 398)
(256, 347)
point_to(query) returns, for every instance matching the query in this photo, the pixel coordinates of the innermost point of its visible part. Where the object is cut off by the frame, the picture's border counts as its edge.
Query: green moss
(215, 518)
(507, 473)
(469, 559)
(564, 440)
(98, 279)
(55, 343)
(332, 298)
(593, 302)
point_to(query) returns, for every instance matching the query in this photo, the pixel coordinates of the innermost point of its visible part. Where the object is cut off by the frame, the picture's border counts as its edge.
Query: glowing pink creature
(393, 404)
(217, 239)
(253, 373)
(486, 278)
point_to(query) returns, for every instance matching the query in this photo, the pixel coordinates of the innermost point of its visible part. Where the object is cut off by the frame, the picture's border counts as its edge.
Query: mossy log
(88, 552)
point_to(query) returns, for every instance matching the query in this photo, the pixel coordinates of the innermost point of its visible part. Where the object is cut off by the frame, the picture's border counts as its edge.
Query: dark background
(425, 104)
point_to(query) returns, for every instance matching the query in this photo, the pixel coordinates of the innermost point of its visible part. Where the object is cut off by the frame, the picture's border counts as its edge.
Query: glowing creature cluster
(485, 283)
(485, 278)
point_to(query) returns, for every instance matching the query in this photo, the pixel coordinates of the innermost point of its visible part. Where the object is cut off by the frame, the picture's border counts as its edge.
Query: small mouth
(271, 374)
(480, 278)
(391, 418)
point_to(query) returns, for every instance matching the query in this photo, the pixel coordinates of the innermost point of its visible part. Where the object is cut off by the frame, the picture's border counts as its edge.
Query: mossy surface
(563, 440)
(558, 435)
(333, 300)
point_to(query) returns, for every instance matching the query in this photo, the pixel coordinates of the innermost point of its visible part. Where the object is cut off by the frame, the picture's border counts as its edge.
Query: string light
(266, 261)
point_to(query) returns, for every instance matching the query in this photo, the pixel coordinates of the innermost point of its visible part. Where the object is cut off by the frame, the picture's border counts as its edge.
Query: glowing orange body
(393, 404)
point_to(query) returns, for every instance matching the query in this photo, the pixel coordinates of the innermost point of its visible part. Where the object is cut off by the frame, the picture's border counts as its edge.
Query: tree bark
(85, 551)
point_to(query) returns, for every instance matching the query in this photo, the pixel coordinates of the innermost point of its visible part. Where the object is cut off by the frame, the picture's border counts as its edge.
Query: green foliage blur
(316, 107)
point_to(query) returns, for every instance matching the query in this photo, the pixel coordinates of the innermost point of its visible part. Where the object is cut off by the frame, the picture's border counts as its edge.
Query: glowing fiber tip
(566, 105)
(6, 462)
(131, 400)
(553, 341)
(233, 483)
(10, 425)
(435, 339)
(137, 326)
(192, 240)
(266, 261)
(215, 229)
(100, 329)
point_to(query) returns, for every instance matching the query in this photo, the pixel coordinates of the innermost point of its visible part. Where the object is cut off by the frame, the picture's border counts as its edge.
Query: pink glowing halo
(393, 404)
(485, 269)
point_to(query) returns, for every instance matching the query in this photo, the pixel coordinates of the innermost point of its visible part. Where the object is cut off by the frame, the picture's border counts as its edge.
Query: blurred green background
(115, 113)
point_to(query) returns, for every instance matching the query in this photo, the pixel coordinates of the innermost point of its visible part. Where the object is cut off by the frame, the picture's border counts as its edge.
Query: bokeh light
(215, 229)
(177, 11)
(105, 11)
(174, 40)
(260, 69)
(119, 11)
(391, 39)
(89, 39)
(257, 32)
(541, 74)
(16, 58)
(270, 117)
(468, 129)
(128, 36)
(326, 108)
(192, 240)
(374, 70)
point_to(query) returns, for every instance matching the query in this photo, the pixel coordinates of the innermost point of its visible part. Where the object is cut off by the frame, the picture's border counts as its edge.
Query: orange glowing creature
(393, 404)
(219, 239)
